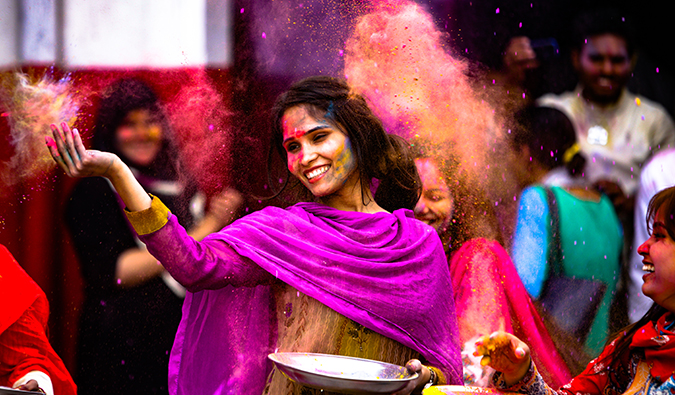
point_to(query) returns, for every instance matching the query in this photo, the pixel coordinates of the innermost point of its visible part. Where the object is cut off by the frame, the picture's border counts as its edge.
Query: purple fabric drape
(387, 272)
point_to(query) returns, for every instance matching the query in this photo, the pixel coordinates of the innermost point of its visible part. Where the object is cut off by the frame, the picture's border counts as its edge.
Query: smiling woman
(318, 153)
(637, 359)
(347, 274)
(322, 106)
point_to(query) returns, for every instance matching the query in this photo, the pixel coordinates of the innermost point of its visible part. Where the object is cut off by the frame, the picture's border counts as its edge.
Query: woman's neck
(351, 197)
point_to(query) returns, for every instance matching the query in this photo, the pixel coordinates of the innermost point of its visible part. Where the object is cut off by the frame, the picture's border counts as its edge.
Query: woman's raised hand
(68, 151)
(504, 353)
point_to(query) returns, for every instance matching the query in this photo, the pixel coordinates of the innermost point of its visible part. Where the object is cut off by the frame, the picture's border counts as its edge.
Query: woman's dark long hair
(663, 201)
(550, 136)
(379, 156)
(118, 101)
(473, 216)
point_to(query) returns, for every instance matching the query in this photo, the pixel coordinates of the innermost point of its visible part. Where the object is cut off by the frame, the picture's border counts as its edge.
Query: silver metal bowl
(342, 374)
(12, 391)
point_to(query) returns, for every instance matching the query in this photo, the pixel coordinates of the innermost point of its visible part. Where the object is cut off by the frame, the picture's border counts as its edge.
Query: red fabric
(489, 296)
(659, 346)
(24, 346)
(17, 290)
(597, 378)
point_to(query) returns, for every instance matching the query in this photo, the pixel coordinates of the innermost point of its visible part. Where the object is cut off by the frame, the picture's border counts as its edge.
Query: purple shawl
(387, 272)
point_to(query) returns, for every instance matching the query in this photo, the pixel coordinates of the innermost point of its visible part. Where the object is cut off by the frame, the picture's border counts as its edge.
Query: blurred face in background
(139, 137)
(436, 203)
(604, 67)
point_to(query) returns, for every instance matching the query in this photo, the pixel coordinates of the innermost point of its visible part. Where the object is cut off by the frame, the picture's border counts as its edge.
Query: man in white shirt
(617, 130)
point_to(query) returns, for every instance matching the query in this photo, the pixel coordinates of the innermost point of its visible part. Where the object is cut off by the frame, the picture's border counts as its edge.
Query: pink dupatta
(490, 296)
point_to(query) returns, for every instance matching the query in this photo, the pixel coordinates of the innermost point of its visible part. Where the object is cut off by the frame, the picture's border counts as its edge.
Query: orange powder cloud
(397, 58)
(400, 61)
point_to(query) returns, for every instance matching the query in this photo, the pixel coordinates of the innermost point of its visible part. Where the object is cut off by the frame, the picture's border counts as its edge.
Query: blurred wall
(78, 34)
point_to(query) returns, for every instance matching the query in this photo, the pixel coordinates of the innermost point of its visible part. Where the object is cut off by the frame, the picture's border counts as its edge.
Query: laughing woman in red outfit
(639, 359)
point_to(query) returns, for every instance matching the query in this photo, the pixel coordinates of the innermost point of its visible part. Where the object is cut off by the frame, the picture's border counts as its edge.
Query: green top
(591, 240)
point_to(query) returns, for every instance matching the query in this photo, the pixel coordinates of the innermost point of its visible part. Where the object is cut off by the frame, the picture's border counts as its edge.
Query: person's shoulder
(564, 102)
(651, 110)
(657, 172)
(533, 192)
(661, 158)
(642, 101)
(532, 201)
(556, 100)
(482, 246)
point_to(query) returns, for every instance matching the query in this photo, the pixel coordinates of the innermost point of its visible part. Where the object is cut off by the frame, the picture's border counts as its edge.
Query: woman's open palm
(67, 149)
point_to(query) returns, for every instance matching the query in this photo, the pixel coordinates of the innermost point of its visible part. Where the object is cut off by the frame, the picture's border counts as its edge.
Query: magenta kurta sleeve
(210, 264)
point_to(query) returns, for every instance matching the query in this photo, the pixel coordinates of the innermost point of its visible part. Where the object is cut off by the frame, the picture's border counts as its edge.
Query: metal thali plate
(342, 374)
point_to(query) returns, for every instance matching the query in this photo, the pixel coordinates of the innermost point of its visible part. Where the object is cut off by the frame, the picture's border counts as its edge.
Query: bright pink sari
(489, 296)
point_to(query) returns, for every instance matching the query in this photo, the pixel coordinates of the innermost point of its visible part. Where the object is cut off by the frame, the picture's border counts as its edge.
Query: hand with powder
(68, 151)
(504, 353)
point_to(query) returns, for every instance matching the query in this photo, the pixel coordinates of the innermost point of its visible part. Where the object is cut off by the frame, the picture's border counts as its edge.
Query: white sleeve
(42, 379)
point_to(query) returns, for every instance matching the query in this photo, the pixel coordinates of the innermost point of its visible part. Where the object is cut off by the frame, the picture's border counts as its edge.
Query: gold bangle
(432, 378)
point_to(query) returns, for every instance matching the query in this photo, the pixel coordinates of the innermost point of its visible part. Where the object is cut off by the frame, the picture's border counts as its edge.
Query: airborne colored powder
(197, 113)
(398, 59)
(201, 120)
(31, 106)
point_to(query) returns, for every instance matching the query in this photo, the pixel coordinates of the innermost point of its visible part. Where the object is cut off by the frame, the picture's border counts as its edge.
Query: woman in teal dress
(590, 232)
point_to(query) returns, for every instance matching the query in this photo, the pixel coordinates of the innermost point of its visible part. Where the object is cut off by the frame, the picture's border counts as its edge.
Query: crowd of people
(392, 254)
